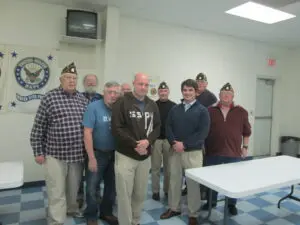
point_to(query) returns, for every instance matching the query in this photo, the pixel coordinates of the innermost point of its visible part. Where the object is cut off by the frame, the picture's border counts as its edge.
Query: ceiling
(208, 15)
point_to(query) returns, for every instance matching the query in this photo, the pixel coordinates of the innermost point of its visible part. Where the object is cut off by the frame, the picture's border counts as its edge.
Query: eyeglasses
(70, 78)
(113, 92)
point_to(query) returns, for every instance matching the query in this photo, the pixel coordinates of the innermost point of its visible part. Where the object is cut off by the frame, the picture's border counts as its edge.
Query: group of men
(119, 136)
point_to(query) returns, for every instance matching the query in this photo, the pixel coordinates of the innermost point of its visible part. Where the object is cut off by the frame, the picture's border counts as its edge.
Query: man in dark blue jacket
(186, 129)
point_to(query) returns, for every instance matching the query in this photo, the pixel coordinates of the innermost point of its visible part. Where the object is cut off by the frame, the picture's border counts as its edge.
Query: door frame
(272, 133)
(275, 131)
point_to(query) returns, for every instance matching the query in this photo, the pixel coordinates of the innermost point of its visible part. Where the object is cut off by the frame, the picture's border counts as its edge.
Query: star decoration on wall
(50, 57)
(14, 54)
(1, 54)
(13, 104)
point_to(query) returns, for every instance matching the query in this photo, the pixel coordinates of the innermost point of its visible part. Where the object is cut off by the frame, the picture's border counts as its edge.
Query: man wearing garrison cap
(204, 96)
(227, 142)
(161, 147)
(57, 143)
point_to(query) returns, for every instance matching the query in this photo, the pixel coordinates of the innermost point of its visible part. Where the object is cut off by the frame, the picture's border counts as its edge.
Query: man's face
(125, 88)
(188, 93)
(68, 82)
(111, 95)
(90, 84)
(201, 85)
(163, 94)
(226, 97)
(141, 85)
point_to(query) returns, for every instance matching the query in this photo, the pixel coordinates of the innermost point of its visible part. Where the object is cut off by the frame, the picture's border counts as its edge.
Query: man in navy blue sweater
(186, 129)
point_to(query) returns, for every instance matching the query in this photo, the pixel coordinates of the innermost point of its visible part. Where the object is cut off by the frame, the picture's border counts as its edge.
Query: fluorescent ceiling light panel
(260, 13)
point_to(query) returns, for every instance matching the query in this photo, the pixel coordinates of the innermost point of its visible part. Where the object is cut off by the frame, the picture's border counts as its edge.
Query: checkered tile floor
(28, 207)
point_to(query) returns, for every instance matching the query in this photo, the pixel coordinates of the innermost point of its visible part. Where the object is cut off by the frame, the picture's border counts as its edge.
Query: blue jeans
(80, 195)
(217, 160)
(105, 172)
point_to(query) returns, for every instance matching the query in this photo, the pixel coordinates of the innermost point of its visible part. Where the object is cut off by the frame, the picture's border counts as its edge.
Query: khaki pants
(62, 182)
(177, 162)
(131, 186)
(160, 152)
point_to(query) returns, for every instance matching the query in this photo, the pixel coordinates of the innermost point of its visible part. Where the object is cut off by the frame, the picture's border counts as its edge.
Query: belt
(104, 150)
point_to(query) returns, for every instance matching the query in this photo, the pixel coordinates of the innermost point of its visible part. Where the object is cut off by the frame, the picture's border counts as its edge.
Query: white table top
(11, 174)
(237, 180)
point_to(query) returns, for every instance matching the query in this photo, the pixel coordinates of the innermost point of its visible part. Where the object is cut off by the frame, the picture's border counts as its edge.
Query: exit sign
(271, 62)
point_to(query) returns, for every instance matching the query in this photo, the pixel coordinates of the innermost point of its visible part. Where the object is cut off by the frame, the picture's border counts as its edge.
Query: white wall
(173, 53)
(289, 96)
(26, 23)
(176, 53)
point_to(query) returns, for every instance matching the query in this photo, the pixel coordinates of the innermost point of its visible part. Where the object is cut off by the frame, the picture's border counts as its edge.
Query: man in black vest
(204, 96)
(161, 147)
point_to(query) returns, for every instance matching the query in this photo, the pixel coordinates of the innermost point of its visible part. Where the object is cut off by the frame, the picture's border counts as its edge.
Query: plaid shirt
(57, 130)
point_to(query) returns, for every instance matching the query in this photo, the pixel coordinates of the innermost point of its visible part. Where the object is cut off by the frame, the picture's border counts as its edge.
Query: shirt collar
(191, 103)
(232, 105)
(67, 93)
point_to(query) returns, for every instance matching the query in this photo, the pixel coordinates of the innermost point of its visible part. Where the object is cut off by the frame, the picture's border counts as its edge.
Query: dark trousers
(217, 160)
(105, 172)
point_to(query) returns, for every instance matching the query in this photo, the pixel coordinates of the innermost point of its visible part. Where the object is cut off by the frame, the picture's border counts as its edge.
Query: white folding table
(11, 175)
(238, 180)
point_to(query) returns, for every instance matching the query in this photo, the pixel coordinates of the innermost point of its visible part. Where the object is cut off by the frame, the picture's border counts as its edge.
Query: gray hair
(94, 75)
(110, 84)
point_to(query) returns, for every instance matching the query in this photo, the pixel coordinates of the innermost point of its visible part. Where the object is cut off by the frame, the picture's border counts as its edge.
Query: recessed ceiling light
(260, 13)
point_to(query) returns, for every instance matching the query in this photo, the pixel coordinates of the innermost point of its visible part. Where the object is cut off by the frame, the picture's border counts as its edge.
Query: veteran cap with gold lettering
(201, 77)
(71, 68)
(227, 87)
(163, 85)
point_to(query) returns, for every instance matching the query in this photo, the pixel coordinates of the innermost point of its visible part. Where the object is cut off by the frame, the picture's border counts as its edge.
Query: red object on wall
(271, 62)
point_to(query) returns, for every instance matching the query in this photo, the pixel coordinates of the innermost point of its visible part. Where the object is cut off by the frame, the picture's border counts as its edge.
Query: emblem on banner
(32, 74)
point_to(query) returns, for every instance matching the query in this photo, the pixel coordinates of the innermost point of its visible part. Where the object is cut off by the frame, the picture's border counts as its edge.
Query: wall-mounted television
(81, 24)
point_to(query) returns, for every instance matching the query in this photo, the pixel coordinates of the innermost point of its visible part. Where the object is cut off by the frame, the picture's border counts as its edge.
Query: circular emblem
(153, 91)
(32, 73)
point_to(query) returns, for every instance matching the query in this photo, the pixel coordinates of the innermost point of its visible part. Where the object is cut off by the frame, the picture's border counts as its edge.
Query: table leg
(290, 195)
(225, 222)
(206, 219)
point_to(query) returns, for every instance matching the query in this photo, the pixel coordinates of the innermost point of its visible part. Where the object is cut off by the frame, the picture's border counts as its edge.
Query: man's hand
(141, 151)
(178, 146)
(244, 152)
(142, 146)
(92, 165)
(40, 159)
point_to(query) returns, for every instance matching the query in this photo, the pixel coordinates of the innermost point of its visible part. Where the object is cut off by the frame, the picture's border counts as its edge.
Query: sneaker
(79, 214)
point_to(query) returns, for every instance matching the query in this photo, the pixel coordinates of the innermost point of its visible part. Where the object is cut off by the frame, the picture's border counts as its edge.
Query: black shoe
(232, 210)
(184, 192)
(111, 220)
(156, 196)
(205, 207)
